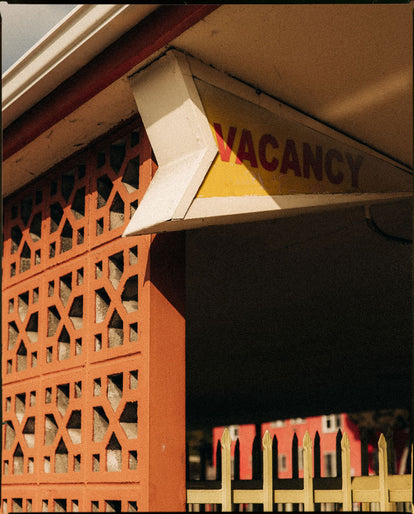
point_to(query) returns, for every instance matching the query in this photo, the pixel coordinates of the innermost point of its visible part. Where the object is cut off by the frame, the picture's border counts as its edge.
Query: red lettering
(354, 167)
(312, 161)
(267, 139)
(329, 157)
(290, 159)
(246, 154)
(225, 149)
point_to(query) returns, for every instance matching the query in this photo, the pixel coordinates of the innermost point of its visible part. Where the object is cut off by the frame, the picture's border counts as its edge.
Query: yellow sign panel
(263, 154)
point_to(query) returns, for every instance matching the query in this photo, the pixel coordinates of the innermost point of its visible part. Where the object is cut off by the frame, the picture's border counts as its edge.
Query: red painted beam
(148, 36)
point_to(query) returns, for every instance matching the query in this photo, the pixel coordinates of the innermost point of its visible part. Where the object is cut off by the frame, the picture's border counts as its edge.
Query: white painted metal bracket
(181, 138)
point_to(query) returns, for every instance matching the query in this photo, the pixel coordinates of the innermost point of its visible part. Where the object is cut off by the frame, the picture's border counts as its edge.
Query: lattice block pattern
(47, 222)
(65, 317)
(81, 203)
(55, 498)
(44, 429)
(17, 501)
(62, 427)
(20, 432)
(44, 319)
(73, 328)
(117, 277)
(122, 498)
(22, 329)
(115, 447)
(123, 170)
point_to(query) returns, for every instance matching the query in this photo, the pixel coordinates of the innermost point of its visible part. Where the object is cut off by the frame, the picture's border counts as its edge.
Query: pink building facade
(327, 426)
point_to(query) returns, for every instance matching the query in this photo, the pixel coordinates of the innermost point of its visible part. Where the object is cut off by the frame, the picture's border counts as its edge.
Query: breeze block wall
(76, 334)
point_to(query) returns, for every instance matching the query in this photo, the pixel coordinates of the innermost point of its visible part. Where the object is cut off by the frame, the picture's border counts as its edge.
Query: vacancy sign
(224, 158)
(262, 154)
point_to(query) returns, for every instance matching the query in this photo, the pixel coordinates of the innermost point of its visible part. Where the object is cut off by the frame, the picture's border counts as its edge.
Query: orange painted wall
(91, 343)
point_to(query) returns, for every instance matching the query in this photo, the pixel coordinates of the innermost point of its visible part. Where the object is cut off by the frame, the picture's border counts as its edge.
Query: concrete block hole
(18, 460)
(78, 204)
(36, 227)
(104, 188)
(113, 454)
(32, 327)
(65, 288)
(68, 183)
(74, 427)
(26, 206)
(133, 255)
(51, 429)
(21, 357)
(16, 237)
(76, 312)
(96, 462)
(56, 214)
(20, 406)
(113, 506)
(62, 398)
(129, 420)
(129, 295)
(17, 504)
(132, 459)
(66, 237)
(131, 175)
(29, 432)
(132, 506)
(133, 379)
(114, 389)
(116, 268)
(61, 457)
(13, 333)
(9, 435)
(25, 258)
(23, 304)
(63, 345)
(102, 302)
(60, 505)
(53, 321)
(117, 154)
(116, 212)
(115, 330)
(100, 423)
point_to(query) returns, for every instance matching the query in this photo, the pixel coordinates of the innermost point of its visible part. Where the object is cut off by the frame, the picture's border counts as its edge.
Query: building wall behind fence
(75, 333)
(284, 430)
(327, 427)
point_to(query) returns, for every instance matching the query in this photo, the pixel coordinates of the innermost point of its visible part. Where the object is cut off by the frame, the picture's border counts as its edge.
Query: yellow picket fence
(386, 491)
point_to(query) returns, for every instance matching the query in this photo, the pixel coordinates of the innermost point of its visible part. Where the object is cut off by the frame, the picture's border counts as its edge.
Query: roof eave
(77, 39)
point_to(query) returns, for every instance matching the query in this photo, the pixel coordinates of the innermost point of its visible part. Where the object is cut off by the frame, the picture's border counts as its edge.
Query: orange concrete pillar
(164, 365)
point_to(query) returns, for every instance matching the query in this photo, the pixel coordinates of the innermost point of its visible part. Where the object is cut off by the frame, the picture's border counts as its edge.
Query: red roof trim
(151, 34)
